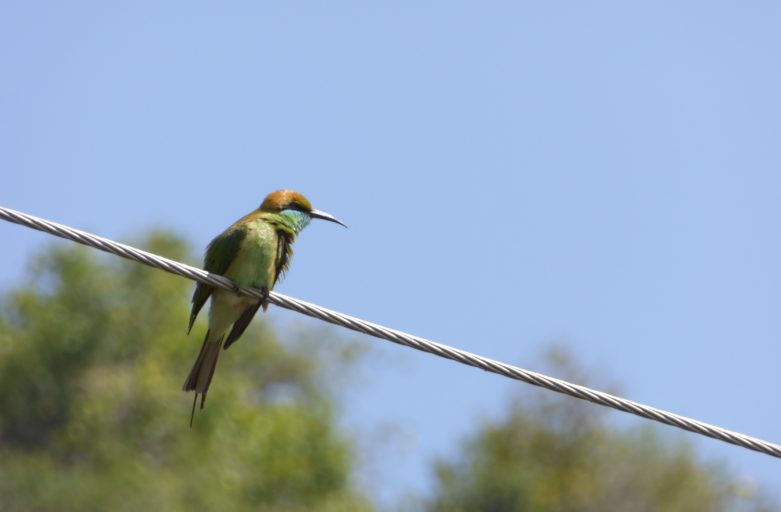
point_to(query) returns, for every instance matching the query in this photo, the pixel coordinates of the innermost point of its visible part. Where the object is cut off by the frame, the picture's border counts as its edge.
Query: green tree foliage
(92, 356)
(554, 453)
(93, 353)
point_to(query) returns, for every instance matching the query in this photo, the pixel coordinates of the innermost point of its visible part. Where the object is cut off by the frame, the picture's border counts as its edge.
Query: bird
(255, 251)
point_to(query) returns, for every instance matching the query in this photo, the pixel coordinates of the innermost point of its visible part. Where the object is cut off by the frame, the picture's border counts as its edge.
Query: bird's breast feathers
(254, 261)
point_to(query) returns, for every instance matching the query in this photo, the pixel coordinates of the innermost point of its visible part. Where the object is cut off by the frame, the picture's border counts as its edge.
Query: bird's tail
(202, 372)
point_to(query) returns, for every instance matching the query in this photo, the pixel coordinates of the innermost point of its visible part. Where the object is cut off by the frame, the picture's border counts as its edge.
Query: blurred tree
(93, 353)
(92, 356)
(555, 453)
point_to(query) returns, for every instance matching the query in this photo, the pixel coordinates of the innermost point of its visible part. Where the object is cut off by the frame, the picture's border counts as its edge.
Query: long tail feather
(202, 372)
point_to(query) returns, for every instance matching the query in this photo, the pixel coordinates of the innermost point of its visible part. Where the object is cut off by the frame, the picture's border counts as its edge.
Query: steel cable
(395, 336)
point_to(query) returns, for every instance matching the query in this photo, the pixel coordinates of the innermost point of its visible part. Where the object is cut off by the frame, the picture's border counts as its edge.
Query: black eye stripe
(295, 206)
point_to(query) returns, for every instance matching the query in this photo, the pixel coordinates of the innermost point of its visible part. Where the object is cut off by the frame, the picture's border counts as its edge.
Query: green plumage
(253, 252)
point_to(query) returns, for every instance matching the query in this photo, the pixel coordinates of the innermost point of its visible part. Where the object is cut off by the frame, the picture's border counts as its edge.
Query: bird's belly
(233, 300)
(226, 308)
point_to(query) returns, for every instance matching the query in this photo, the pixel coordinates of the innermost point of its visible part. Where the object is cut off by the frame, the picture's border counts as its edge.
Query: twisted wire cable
(399, 337)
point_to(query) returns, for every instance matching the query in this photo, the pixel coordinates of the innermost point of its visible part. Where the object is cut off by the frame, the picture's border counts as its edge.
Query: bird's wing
(284, 254)
(219, 255)
(285, 236)
(240, 325)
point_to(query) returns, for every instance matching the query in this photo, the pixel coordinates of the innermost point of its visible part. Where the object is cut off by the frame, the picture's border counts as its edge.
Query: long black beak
(317, 214)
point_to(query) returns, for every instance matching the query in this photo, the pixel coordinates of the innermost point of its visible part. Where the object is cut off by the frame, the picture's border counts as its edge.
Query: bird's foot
(264, 301)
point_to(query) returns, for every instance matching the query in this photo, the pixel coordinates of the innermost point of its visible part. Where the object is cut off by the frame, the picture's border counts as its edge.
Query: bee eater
(255, 251)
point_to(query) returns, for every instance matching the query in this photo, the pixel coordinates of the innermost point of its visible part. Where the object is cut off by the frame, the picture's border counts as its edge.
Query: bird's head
(294, 206)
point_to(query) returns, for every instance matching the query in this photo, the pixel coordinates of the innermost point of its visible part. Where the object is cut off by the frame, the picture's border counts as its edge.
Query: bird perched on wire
(253, 252)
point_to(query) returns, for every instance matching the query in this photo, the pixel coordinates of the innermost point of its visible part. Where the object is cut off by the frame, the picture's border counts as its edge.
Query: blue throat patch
(298, 220)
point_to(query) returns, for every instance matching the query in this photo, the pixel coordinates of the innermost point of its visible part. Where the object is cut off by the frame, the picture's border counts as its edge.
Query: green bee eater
(253, 252)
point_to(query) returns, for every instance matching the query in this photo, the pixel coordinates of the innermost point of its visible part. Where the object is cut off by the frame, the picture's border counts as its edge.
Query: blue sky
(513, 173)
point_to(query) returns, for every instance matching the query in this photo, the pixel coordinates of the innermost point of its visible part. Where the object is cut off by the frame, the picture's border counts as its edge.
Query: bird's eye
(296, 206)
